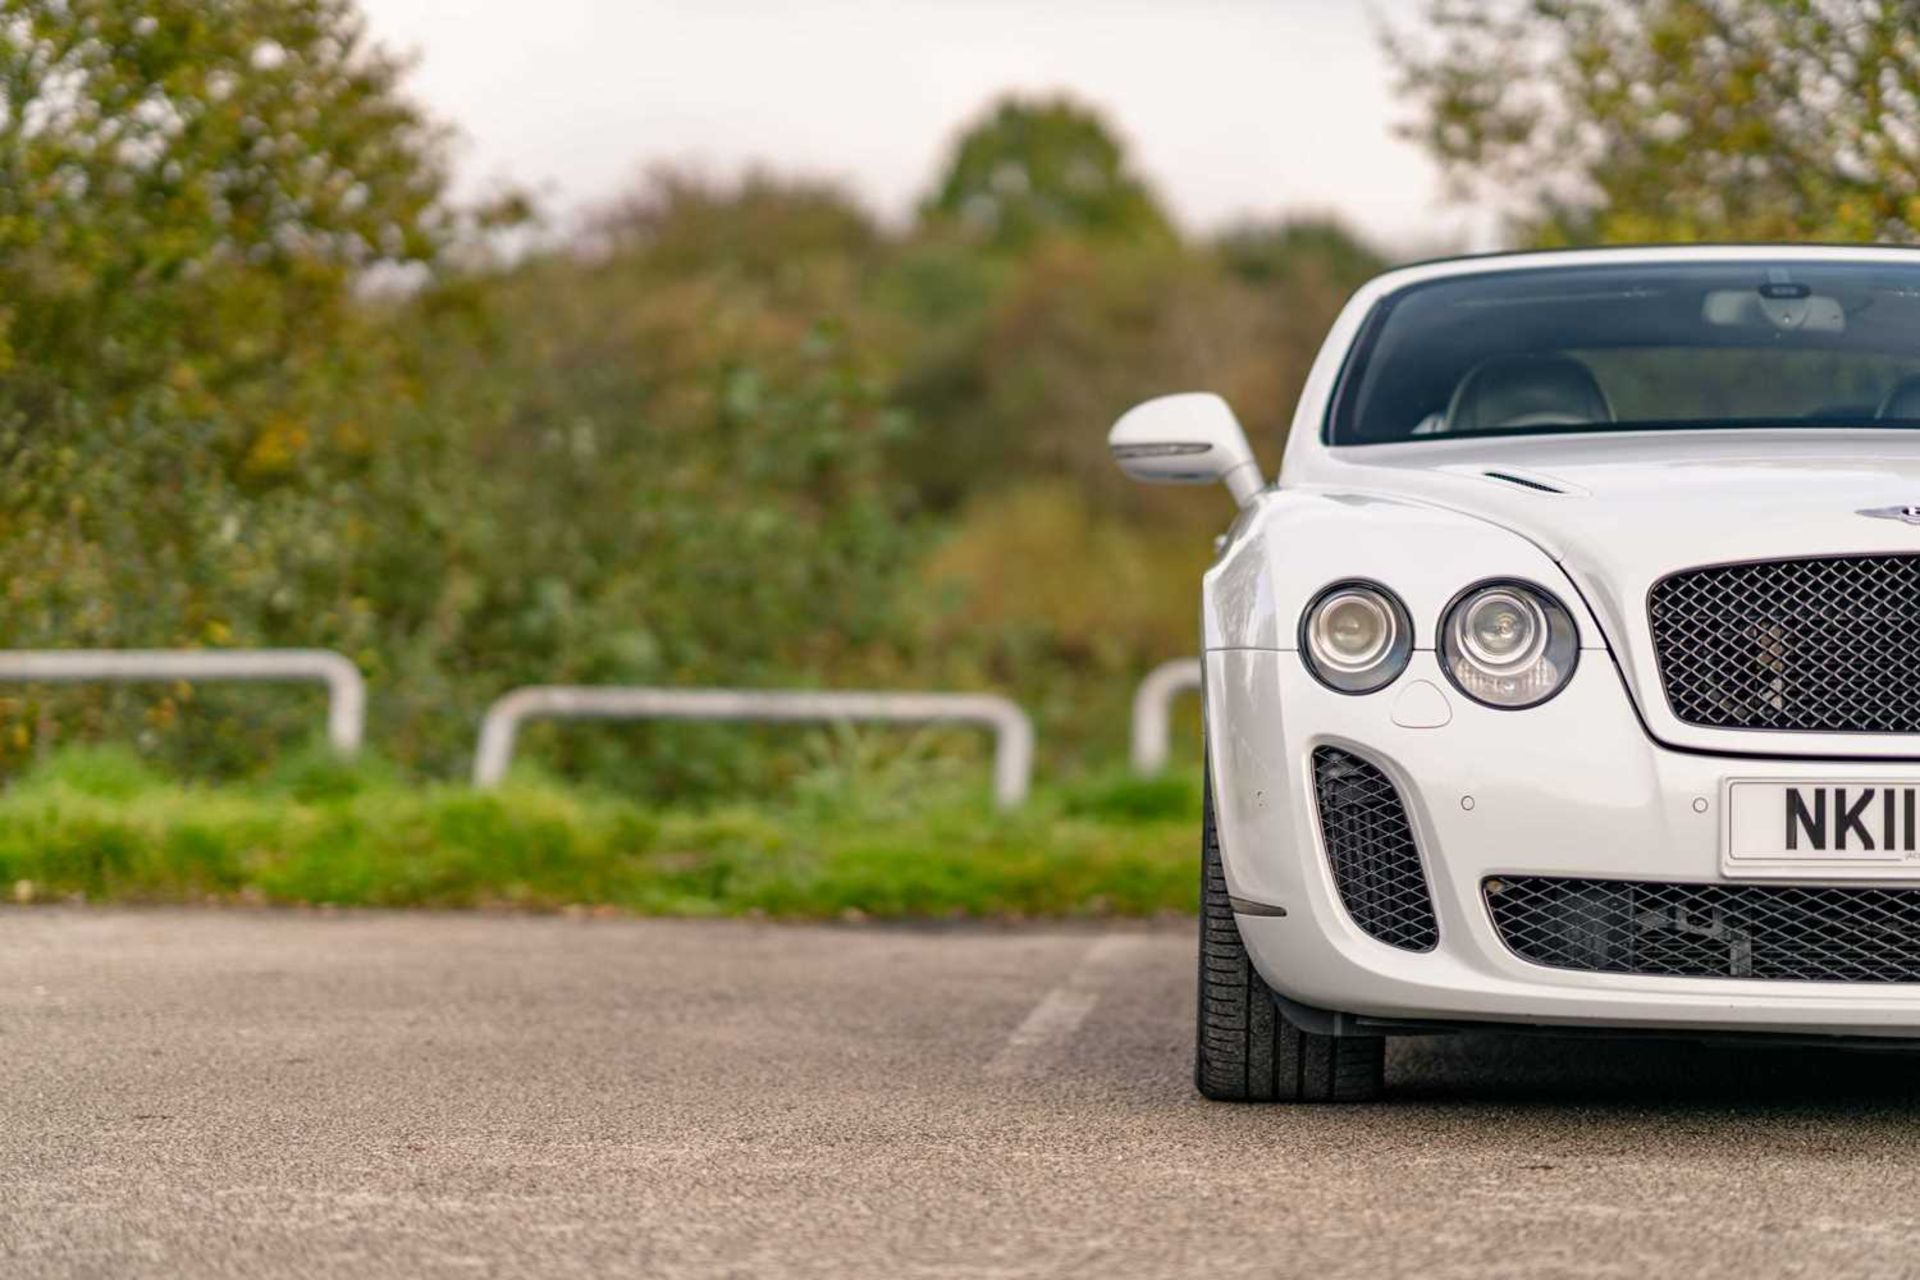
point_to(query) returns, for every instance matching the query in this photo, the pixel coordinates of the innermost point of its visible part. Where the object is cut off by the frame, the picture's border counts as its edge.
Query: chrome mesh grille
(1375, 864)
(1792, 932)
(1830, 643)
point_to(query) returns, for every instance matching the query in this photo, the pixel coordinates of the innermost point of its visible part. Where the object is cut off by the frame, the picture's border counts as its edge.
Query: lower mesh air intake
(1789, 932)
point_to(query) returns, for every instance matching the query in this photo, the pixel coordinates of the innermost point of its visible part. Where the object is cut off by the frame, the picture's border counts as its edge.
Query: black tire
(1245, 1049)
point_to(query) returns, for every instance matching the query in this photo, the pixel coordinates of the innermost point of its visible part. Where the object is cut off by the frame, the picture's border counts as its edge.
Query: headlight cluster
(1357, 637)
(1504, 644)
(1508, 644)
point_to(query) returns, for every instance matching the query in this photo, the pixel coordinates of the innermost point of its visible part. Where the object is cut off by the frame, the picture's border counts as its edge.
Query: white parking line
(1052, 1022)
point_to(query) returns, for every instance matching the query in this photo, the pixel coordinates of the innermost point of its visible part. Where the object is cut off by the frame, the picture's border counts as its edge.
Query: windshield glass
(1637, 347)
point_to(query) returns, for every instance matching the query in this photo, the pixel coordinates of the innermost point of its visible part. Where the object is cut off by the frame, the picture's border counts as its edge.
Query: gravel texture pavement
(229, 1093)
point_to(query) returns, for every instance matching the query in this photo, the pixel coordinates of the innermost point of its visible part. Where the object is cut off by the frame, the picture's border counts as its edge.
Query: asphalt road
(253, 1094)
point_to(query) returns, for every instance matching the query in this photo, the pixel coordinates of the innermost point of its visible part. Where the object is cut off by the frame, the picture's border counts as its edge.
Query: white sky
(1232, 107)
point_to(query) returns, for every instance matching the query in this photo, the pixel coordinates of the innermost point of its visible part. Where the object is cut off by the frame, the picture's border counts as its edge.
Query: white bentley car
(1569, 676)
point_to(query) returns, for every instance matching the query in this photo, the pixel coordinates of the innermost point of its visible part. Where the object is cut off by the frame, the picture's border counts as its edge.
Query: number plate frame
(1754, 824)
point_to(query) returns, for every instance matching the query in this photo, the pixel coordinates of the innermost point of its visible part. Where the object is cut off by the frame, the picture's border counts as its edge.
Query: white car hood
(1650, 501)
(1637, 506)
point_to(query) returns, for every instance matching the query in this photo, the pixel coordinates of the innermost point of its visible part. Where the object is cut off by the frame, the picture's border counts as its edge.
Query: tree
(1640, 120)
(1295, 251)
(197, 183)
(763, 225)
(191, 193)
(1044, 166)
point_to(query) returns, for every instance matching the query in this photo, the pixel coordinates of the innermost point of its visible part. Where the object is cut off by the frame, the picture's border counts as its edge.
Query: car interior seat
(1902, 400)
(1533, 390)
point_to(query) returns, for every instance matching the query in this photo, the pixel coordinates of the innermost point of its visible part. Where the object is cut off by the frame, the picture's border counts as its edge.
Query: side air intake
(1376, 866)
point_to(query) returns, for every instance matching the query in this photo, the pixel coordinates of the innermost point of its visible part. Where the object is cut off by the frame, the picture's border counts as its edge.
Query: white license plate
(1873, 827)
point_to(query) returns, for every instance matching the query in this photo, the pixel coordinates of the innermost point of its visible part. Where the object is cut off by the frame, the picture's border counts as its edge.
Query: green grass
(98, 824)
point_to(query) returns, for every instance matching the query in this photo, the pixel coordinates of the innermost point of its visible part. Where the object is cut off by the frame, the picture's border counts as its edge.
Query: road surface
(214, 1093)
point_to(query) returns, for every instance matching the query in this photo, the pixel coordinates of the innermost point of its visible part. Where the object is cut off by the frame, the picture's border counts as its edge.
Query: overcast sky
(1232, 107)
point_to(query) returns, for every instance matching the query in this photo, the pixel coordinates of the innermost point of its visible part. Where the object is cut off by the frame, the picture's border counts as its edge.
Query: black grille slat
(1780, 932)
(1822, 644)
(1376, 866)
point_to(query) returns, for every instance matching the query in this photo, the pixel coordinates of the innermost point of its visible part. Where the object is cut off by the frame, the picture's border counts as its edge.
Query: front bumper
(1572, 788)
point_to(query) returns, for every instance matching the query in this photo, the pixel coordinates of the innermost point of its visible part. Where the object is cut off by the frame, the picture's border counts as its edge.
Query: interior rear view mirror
(1783, 307)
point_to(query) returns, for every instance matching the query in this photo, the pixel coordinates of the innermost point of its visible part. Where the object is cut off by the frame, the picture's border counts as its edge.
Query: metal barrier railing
(346, 691)
(1013, 732)
(347, 702)
(1153, 710)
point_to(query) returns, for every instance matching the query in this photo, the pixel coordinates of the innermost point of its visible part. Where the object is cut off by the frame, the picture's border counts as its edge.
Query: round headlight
(1508, 644)
(1356, 637)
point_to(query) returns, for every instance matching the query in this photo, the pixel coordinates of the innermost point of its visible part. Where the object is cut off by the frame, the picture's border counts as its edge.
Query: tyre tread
(1245, 1050)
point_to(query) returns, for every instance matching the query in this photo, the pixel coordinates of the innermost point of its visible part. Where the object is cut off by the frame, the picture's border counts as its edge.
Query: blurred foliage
(190, 189)
(1033, 168)
(190, 387)
(267, 385)
(1656, 120)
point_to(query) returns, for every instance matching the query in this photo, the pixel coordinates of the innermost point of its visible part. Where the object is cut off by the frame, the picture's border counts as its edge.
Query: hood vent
(1535, 483)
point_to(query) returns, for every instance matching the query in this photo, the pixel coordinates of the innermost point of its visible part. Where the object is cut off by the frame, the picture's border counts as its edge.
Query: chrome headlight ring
(1508, 644)
(1356, 636)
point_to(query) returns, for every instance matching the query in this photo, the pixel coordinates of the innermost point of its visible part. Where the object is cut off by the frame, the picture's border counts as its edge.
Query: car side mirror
(1192, 438)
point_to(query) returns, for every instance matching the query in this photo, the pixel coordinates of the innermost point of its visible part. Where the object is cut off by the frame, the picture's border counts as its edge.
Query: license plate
(1871, 826)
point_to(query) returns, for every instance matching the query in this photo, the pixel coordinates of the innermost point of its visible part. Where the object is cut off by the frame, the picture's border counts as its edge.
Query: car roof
(1597, 255)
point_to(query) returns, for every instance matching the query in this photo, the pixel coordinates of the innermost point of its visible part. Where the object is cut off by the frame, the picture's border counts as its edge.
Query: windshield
(1637, 347)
